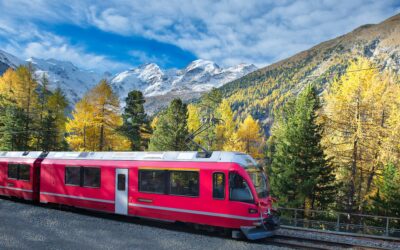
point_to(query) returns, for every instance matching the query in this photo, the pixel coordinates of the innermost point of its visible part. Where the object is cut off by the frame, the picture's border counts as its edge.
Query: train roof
(216, 156)
(21, 154)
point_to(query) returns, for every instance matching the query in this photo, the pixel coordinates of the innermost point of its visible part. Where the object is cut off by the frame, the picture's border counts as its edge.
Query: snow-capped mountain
(73, 81)
(158, 85)
(161, 86)
(7, 61)
(199, 76)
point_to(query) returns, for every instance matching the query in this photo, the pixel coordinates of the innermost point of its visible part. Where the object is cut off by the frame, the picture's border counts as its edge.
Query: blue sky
(117, 35)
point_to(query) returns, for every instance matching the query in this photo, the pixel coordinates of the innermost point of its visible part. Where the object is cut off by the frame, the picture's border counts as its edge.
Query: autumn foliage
(95, 120)
(336, 147)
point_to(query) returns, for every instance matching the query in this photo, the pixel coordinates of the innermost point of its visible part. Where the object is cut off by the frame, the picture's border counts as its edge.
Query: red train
(226, 190)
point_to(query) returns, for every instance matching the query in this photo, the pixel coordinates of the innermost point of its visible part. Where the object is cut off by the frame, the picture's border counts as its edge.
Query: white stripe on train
(17, 189)
(77, 197)
(194, 212)
(159, 207)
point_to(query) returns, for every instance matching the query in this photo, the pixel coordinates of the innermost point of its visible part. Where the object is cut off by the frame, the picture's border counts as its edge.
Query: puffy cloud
(227, 31)
(47, 45)
(230, 32)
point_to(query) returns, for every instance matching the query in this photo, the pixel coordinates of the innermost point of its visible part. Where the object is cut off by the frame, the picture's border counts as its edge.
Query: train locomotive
(224, 190)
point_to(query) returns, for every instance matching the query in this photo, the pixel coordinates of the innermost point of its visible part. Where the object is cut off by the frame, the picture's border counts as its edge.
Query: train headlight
(253, 211)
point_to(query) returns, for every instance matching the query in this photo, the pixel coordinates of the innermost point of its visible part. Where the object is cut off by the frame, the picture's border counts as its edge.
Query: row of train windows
(185, 183)
(19, 172)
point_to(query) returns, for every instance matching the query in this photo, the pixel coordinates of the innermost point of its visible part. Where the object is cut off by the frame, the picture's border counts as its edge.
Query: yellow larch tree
(355, 114)
(24, 89)
(391, 145)
(248, 138)
(95, 122)
(233, 143)
(81, 127)
(7, 83)
(225, 129)
(154, 122)
(194, 121)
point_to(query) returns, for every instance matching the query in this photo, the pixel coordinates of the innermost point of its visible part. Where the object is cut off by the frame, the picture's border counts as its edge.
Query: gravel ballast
(28, 226)
(351, 240)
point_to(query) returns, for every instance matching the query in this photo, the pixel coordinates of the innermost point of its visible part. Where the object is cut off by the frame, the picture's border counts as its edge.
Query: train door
(121, 191)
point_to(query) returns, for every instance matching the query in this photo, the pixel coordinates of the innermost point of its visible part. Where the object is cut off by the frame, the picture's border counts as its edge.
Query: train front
(259, 187)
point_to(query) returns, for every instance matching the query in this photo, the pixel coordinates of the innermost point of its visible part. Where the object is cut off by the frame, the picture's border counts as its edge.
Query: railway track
(303, 243)
(279, 240)
(286, 237)
(317, 239)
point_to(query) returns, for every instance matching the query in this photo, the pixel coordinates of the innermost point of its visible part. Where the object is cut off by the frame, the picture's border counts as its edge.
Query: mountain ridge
(198, 77)
(260, 92)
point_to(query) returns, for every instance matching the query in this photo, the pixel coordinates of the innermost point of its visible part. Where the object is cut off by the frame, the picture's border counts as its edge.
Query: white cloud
(110, 20)
(242, 31)
(144, 57)
(47, 45)
(227, 31)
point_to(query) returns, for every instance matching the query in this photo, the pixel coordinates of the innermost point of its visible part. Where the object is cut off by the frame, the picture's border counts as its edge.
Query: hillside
(263, 90)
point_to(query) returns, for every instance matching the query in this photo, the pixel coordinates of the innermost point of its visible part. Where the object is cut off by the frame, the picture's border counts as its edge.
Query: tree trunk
(84, 137)
(354, 162)
(101, 137)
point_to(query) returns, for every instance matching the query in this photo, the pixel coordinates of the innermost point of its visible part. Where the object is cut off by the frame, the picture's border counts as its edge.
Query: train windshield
(259, 180)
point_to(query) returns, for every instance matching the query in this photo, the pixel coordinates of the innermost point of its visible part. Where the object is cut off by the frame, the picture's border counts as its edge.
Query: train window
(91, 177)
(239, 190)
(73, 176)
(152, 181)
(24, 172)
(121, 182)
(13, 171)
(184, 183)
(219, 186)
(19, 172)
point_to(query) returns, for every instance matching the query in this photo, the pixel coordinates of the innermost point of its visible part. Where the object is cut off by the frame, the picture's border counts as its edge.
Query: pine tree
(302, 176)
(208, 107)
(135, 121)
(49, 133)
(171, 129)
(41, 135)
(26, 97)
(57, 105)
(386, 201)
(12, 127)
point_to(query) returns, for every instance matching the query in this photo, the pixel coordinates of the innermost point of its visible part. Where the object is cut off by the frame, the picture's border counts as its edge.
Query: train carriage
(223, 190)
(19, 174)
